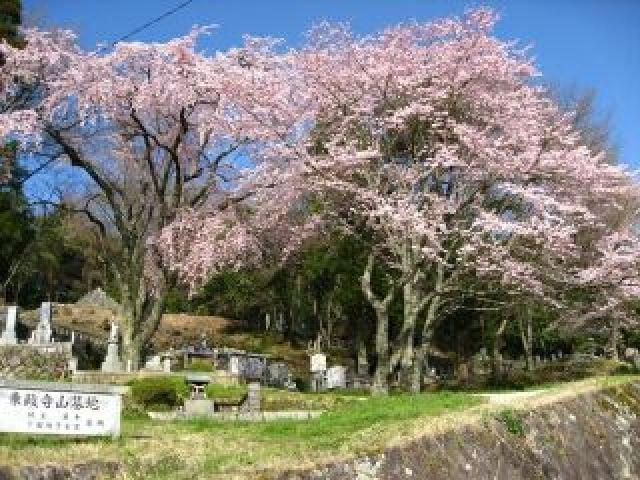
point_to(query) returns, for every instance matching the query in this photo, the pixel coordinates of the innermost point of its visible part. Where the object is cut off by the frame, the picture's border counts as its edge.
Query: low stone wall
(242, 416)
(594, 436)
(22, 362)
(84, 471)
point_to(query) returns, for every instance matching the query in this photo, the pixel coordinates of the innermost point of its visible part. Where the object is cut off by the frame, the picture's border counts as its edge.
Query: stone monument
(112, 363)
(42, 334)
(253, 397)
(318, 372)
(9, 334)
(337, 377)
(154, 364)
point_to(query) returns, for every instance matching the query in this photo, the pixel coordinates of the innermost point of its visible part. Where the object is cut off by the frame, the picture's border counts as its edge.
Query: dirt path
(511, 398)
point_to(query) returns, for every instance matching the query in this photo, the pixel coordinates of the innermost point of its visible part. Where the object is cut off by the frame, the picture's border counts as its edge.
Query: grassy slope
(205, 449)
(202, 448)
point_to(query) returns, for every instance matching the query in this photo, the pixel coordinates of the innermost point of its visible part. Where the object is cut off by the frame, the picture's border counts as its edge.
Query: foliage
(512, 422)
(168, 391)
(198, 365)
(226, 393)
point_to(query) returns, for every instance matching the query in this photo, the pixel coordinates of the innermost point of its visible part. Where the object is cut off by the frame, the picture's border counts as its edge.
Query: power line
(147, 25)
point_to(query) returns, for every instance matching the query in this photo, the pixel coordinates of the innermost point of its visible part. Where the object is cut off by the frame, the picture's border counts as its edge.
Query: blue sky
(586, 43)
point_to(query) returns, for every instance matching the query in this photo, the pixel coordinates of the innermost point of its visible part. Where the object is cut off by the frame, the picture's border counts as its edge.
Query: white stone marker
(112, 363)
(337, 377)
(318, 363)
(9, 334)
(42, 334)
(166, 365)
(50, 408)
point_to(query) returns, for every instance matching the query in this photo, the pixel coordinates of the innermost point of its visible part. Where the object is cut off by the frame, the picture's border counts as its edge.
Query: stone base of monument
(199, 407)
(112, 363)
(112, 366)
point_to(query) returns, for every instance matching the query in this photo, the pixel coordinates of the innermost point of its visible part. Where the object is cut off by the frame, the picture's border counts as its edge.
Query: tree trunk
(381, 376)
(142, 305)
(526, 334)
(421, 352)
(497, 344)
(428, 327)
(381, 307)
(363, 361)
(613, 339)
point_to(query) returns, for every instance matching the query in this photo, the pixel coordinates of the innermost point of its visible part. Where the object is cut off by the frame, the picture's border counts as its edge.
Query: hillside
(176, 331)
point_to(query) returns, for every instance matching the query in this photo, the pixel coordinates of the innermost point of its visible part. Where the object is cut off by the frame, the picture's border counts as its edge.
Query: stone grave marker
(277, 374)
(337, 377)
(42, 334)
(254, 368)
(112, 363)
(154, 364)
(318, 362)
(253, 397)
(166, 365)
(9, 333)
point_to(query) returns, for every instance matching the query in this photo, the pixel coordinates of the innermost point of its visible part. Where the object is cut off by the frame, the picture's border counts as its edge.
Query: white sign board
(58, 412)
(318, 362)
(337, 377)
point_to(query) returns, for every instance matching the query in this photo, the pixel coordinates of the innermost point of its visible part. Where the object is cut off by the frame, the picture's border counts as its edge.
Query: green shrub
(198, 365)
(512, 422)
(169, 391)
(625, 369)
(226, 393)
(302, 384)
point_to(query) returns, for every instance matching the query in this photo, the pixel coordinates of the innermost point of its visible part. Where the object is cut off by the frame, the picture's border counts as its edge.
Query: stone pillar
(9, 334)
(253, 397)
(112, 363)
(166, 365)
(42, 333)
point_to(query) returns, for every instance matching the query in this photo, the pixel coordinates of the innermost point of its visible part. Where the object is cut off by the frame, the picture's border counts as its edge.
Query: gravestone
(318, 362)
(254, 368)
(166, 365)
(537, 359)
(253, 397)
(73, 364)
(337, 377)
(318, 372)
(277, 374)
(112, 363)
(154, 364)
(49, 408)
(236, 365)
(553, 357)
(42, 334)
(9, 333)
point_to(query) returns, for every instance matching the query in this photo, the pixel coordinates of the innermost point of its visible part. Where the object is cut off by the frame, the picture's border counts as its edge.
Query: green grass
(201, 448)
(226, 393)
(353, 424)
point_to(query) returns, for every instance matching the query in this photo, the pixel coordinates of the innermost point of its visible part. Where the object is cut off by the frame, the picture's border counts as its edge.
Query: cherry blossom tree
(152, 132)
(433, 143)
(434, 140)
(612, 284)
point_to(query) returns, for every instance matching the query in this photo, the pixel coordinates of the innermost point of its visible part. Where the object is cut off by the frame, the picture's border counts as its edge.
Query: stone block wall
(22, 362)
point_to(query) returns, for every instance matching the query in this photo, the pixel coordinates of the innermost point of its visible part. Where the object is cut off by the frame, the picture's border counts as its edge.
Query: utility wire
(146, 25)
